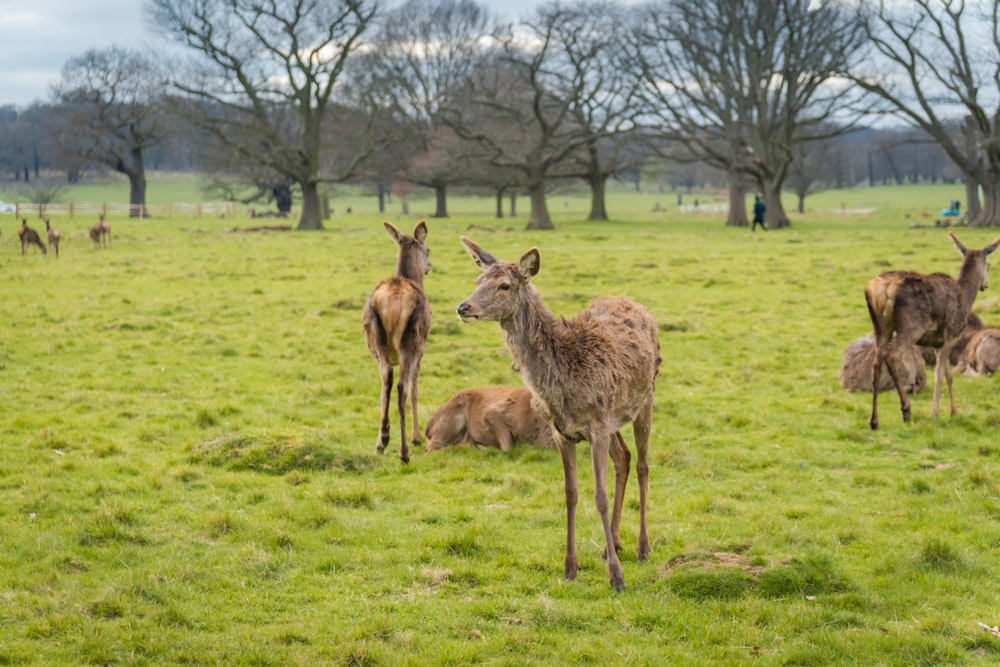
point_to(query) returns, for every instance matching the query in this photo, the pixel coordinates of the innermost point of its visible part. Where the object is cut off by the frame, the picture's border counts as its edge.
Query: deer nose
(463, 308)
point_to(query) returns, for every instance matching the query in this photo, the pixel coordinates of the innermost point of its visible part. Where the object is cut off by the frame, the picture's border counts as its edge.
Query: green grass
(188, 470)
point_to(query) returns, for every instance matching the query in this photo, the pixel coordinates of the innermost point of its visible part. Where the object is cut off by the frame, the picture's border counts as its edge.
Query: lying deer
(982, 353)
(856, 369)
(29, 237)
(53, 235)
(590, 376)
(396, 320)
(909, 308)
(488, 416)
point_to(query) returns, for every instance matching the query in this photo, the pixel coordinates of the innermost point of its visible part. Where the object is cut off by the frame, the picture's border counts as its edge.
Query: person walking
(758, 214)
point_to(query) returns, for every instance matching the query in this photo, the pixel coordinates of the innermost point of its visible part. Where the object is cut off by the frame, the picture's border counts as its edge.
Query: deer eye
(504, 287)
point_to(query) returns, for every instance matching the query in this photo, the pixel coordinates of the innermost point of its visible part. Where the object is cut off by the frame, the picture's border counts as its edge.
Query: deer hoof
(906, 415)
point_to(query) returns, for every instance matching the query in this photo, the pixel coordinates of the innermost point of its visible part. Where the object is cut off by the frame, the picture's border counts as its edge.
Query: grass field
(188, 471)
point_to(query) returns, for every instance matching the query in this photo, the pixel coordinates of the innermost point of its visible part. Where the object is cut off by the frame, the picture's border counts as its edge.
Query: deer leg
(889, 357)
(599, 453)
(414, 374)
(621, 457)
(641, 430)
(404, 383)
(876, 378)
(383, 429)
(568, 452)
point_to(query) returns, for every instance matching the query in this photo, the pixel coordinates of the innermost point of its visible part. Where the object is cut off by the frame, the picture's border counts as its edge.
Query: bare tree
(587, 47)
(739, 83)
(520, 106)
(934, 64)
(265, 76)
(110, 113)
(425, 51)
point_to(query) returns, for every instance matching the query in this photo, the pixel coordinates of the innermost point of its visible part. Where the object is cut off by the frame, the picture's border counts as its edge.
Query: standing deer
(396, 320)
(29, 237)
(100, 233)
(589, 376)
(908, 308)
(53, 235)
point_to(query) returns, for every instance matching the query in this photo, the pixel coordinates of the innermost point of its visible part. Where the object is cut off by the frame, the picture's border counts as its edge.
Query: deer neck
(969, 281)
(408, 268)
(530, 335)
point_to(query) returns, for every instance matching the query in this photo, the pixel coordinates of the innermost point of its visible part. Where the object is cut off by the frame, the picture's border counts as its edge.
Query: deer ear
(958, 244)
(393, 232)
(531, 261)
(482, 258)
(991, 247)
(420, 231)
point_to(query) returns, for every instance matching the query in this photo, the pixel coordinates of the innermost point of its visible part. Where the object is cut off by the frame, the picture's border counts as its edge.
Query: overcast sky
(37, 37)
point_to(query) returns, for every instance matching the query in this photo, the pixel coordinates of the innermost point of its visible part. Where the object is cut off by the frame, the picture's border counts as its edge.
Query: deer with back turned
(53, 235)
(589, 376)
(396, 320)
(909, 308)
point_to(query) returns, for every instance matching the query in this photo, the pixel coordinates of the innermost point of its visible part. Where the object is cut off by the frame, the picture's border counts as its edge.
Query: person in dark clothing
(758, 214)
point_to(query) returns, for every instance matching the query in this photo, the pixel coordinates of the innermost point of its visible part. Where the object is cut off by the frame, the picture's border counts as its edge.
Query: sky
(37, 37)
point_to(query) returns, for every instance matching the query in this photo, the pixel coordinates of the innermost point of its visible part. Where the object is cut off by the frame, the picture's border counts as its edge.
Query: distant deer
(100, 233)
(396, 320)
(856, 368)
(590, 376)
(29, 237)
(488, 416)
(908, 308)
(53, 235)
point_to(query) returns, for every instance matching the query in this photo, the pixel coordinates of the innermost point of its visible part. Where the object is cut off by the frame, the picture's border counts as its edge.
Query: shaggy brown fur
(53, 235)
(982, 354)
(29, 237)
(909, 308)
(856, 369)
(972, 325)
(488, 416)
(590, 376)
(396, 320)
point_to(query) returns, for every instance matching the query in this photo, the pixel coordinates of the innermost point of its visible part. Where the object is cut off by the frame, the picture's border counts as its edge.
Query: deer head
(501, 286)
(975, 260)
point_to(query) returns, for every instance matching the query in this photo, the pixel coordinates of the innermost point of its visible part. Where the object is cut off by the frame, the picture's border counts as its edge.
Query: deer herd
(100, 234)
(586, 378)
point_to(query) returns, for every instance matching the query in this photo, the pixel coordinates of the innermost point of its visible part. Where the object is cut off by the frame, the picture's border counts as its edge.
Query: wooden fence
(172, 210)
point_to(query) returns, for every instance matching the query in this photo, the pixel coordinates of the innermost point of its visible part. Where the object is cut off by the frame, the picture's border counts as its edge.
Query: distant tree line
(288, 97)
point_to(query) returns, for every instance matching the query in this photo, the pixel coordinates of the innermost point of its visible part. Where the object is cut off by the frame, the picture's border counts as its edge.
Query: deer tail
(880, 295)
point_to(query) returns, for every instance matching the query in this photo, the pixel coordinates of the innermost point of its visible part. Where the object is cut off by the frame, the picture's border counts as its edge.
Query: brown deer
(488, 416)
(909, 308)
(396, 320)
(982, 353)
(29, 237)
(856, 369)
(100, 233)
(53, 235)
(589, 376)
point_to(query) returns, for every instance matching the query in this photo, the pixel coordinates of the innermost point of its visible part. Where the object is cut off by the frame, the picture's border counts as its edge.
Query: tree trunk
(311, 218)
(513, 204)
(775, 216)
(540, 218)
(381, 197)
(441, 194)
(598, 203)
(737, 199)
(137, 185)
(990, 215)
(499, 212)
(973, 209)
